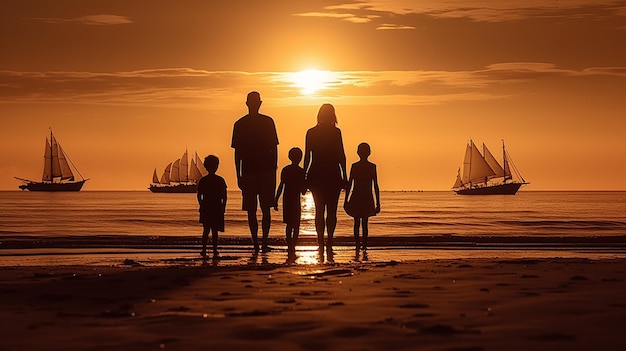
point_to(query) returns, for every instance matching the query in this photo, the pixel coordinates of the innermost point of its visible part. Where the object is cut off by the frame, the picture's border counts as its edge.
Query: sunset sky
(126, 86)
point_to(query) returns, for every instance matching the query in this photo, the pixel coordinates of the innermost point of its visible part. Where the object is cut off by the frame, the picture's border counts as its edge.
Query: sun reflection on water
(308, 255)
(307, 219)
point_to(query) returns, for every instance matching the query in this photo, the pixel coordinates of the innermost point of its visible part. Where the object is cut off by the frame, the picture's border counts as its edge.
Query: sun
(311, 81)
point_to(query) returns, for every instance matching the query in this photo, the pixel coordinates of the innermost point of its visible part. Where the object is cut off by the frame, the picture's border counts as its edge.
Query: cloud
(93, 20)
(390, 26)
(479, 10)
(201, 89)
(350, 17)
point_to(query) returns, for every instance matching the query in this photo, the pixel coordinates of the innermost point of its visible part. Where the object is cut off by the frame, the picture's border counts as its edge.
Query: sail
(56, 165)
(47, 163)
(165, 178)
(65, 170)
(155, 178)
(479, 168)
(493, 163)
(507, 166)
(458, 183)
(200, 165)
(467, 163)
(175, 173)
(194, 173)
(184, 168)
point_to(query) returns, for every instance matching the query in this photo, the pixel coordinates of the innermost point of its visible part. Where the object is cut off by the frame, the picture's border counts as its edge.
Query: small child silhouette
(361, 204)
(212, 198)
(292, 182)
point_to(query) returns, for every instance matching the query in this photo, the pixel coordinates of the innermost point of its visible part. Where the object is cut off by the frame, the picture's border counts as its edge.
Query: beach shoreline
(512, 302)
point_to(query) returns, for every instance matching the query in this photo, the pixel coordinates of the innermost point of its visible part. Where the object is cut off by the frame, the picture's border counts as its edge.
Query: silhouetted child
(292, 182)
(212, 199)
(361, 204)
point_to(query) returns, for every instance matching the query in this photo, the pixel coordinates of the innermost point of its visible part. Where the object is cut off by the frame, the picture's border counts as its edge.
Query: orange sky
(127, 85)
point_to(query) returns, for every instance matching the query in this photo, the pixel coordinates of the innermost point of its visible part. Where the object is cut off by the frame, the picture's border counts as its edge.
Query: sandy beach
(435, 304)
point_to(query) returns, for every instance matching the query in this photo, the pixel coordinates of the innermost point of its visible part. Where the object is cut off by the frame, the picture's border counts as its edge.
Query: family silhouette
(255, 144)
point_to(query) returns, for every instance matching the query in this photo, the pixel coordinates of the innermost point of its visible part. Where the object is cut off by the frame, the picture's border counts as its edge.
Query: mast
(470, 161)
(504, 160)
(51, 158)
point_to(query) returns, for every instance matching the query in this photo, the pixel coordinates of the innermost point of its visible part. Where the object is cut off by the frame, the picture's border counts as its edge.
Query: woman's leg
(357, 224)
(331, 215)
(365, 232)
(320, 205)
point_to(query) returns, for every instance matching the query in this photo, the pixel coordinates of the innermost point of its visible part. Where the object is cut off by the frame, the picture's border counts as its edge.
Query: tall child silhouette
(212, 198)
(365, 199)
(292, 182)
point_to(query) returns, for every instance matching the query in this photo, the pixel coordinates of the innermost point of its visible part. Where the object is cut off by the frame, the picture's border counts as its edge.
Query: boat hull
(178, 188)
(53, 187)
(499, 189)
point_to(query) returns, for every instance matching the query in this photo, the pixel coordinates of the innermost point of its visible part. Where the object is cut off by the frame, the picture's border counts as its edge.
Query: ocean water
(404, 214)
(102, 225)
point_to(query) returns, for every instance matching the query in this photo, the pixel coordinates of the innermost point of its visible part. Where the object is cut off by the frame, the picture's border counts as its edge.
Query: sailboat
(179, 176)
(57, 171)
(483, 175)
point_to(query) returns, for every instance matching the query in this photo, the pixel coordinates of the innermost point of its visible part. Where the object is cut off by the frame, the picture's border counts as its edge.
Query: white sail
(165, 178)
(175, 173)
(480, 170)
(493, 163)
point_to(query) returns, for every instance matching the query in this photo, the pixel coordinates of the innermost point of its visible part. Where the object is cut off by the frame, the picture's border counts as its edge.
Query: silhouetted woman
(325, 166)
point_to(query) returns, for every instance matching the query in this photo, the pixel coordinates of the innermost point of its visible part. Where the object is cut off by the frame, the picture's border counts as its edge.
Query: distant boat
(57, 171)
(179, 176)
(483, 175)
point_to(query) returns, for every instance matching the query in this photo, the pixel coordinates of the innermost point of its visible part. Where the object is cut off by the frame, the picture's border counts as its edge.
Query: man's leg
(265, 227)
(253, 224)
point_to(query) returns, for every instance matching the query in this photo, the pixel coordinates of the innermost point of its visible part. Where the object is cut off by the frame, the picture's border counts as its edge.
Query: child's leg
(205, 238)
(357, 223)
(288, 230)
(365, 231)
(296, 233)
(214, 240)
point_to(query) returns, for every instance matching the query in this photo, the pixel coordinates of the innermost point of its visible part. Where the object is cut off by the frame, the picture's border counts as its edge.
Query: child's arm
(349, 186)
(224, 198)
(280, 191)
(199, 194)
(376, 191)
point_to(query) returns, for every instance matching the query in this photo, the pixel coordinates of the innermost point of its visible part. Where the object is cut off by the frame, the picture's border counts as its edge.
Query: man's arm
(238, 167)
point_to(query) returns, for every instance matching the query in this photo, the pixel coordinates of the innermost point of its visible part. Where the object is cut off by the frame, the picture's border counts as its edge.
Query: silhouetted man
(256, 158)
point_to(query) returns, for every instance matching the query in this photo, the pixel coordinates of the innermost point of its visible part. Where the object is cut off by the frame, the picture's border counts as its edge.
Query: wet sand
(453, 303)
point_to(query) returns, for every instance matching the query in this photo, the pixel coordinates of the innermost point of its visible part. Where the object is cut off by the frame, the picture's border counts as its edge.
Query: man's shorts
(261, 185)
